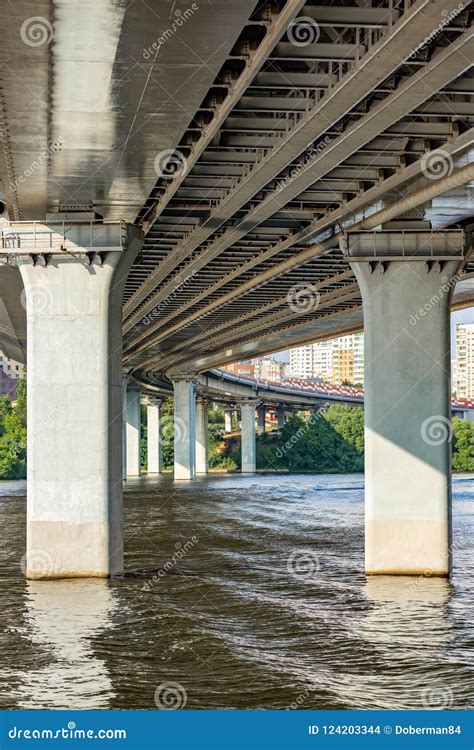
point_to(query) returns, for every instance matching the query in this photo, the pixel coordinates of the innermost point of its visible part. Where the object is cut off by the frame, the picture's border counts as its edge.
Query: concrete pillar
(184, 435)
(261, 420)
(154, 454)
(201, 430)
(75, 398)
(227, 420)
(132, 431)
(281, 416)
(406, 306)
(249, 461)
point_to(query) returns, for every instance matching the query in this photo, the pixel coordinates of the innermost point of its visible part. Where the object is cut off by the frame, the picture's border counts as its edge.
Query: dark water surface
(239, 593)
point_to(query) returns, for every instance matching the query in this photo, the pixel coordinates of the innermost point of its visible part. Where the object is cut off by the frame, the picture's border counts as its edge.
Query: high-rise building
(301, 362)
(337, 361)
(10, 373)
(465, 360)
(268, 368)
(342, 366)
(322, 360)
(454, 376)
(354, 343)
(11, 368)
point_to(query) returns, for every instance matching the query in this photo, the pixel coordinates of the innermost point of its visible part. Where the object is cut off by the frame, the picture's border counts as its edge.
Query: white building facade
(465, 360)
(319, 360)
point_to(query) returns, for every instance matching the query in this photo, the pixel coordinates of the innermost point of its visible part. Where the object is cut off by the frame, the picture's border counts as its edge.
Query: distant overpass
(228, 389)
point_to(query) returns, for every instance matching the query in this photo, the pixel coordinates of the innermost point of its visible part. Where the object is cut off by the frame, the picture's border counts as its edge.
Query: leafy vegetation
(463, 445)
(331, 441)
(13, 435)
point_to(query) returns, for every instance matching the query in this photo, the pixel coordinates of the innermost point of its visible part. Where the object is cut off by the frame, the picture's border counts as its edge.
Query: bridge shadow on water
(239, 592)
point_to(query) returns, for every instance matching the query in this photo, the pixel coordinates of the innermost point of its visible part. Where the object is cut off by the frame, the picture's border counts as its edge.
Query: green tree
(463, 445)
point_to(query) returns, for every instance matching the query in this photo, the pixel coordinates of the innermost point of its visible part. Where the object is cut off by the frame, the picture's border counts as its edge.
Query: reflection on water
(61, 617)
(248, 593)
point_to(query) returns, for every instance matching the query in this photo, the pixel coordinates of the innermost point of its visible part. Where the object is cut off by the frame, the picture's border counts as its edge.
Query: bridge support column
(281, 417)
(184, 449)
(249, 458)
(132, 431)
(406, 306)
(227, 420)
(75, 396)
(202, 466)
(154, 454)
(260, 420)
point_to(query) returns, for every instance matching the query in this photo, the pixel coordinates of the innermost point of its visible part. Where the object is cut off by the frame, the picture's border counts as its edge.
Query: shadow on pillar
(408, 430)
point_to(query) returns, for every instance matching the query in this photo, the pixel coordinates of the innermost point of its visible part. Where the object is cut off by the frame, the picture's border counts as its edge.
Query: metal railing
(63, 236)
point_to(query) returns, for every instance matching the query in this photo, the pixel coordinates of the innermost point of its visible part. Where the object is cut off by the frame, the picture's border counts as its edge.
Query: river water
(240, 592)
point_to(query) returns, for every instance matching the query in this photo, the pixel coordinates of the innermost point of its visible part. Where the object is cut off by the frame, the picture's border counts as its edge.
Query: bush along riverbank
(330, 441)
(13, 435)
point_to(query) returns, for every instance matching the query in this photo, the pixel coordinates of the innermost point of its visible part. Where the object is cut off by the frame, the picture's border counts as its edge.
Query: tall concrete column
(154, 453)
(184, 431)
(261, 420)
(132, 431)
(227, 420)
(201, 424)
(249, 458)
(74, 348)
(406, 306)
(281, 416)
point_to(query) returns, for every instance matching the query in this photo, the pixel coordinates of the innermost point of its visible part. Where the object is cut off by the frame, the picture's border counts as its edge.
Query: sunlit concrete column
(74, 345)
(201, 430)
(184, 430)
(227, 420)
(261, 420)
(154, 453)
(406, 306)
(132, 430)
(249, 458)
(281, 416)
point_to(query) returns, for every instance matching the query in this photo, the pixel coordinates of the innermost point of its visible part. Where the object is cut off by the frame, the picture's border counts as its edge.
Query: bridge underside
(290, 168)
